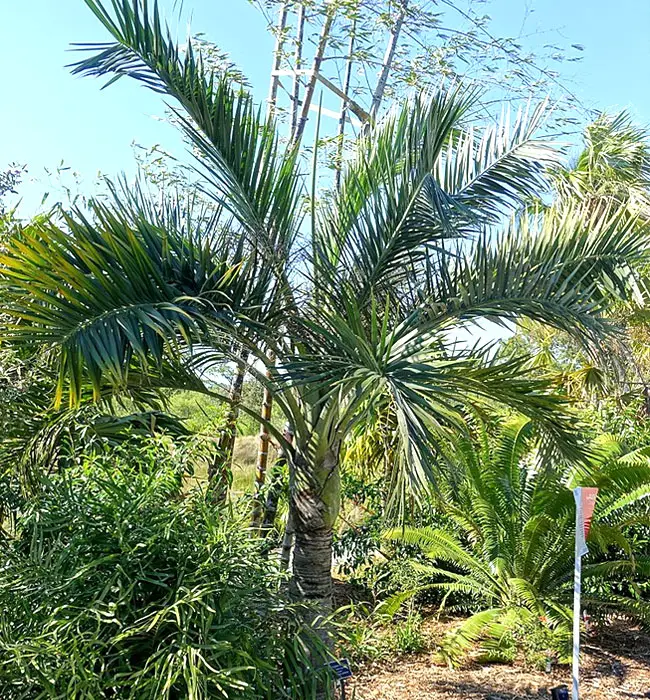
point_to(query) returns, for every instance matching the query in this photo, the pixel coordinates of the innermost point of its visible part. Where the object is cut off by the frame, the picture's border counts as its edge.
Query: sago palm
(507, 554)
(356, 301)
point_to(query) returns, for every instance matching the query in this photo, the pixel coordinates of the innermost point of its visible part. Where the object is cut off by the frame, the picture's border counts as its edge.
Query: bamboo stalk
(267, 401)
(277, 59)
(297, 67)
(387, 63)
(311, 86)
(344, 106)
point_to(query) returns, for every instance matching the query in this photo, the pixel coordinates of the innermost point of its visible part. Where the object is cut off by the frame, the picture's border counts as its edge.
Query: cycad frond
(515, 521)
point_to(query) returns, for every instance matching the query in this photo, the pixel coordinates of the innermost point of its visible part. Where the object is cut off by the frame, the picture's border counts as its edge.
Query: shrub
(366, 636)
(407, 635)
(117, 587)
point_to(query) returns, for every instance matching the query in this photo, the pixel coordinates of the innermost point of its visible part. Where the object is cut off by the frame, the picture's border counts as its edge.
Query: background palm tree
(356, 303)
(613, 165)
(611, 169)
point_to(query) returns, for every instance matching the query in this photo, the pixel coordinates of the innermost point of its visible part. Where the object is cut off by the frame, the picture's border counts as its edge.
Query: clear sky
(48, 116)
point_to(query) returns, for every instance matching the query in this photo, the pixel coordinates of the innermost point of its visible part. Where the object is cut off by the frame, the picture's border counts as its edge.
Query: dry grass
(244, 461)
(243, 468)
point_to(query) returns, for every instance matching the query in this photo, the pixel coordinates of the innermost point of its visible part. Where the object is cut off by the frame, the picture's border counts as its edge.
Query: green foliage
(614, 165)
(357, 311)
(9, 179)
(407, 635)
(357, 542)
(200, 413)
(206, 414)
(365, 636)
(36, 438)
(508, 557)
(116, 587)
(540, 643)
(360, 638)
(611, 170)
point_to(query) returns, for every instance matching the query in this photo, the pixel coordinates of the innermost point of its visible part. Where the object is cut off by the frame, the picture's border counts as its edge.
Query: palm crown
(356, 304)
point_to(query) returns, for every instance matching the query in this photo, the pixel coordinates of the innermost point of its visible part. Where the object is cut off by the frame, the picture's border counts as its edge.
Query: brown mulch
(616, 664)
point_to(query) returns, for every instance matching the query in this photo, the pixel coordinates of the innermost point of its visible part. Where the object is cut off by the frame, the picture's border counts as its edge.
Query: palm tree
(355, 301)
(506, 554)
(612, 168)
(613, 165)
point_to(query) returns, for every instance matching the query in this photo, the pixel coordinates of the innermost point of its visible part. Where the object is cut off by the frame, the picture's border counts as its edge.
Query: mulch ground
(616, 664)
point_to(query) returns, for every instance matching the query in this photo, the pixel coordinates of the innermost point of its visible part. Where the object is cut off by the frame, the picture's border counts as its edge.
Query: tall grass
(243, 467)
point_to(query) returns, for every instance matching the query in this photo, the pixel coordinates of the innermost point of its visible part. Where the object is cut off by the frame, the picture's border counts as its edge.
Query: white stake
(585, 499)
(577, 586)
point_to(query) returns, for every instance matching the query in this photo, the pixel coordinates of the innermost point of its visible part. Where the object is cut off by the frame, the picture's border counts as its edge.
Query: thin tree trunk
(287, 544)
(311, 86)
(276, 486)
(221, 466)
(277, 58)
(387, 63)
(344, 106)
(262, 452)
(314, 507)
(267, 401)
(297, 66)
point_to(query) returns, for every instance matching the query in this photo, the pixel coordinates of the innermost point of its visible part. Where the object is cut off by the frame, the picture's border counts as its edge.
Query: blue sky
(48, 116)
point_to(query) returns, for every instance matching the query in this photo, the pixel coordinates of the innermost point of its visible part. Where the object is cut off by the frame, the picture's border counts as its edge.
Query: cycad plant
(356, 297)
(507, 552)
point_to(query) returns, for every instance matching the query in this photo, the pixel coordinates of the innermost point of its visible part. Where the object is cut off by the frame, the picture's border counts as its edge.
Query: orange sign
(588, 502)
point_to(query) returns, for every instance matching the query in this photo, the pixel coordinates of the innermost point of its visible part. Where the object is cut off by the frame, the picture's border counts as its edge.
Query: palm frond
(559, 270)
(420, 180)
(110, 292)
(249, 173)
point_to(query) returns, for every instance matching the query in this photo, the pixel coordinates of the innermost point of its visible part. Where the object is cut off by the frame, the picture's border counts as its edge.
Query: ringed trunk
(314, 507)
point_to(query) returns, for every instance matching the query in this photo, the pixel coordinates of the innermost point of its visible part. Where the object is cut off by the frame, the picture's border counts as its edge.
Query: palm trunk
(314, 507)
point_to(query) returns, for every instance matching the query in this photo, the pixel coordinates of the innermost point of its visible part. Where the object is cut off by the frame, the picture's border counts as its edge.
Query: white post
(585, 498)
(577, 584)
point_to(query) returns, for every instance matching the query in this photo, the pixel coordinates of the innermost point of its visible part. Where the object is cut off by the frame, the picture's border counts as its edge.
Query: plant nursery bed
(616, 664)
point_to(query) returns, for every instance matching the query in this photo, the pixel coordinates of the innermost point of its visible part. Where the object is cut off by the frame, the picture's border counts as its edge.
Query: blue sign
(341, 668)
